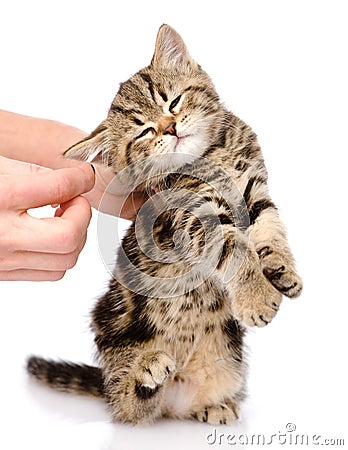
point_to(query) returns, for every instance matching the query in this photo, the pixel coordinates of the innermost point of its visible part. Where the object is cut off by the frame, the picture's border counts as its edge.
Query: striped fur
(207, 257)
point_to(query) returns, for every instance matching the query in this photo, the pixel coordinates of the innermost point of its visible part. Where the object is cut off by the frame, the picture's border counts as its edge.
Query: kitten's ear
(96, 143)
(171, 51)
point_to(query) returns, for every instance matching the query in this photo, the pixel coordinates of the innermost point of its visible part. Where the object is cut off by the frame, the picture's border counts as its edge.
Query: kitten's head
(170, 107)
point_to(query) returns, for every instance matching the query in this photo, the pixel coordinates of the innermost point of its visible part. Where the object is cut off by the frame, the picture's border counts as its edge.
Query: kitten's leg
(255, 300)
(135, 382)
(134, 372)
(230, 253)
(269, 237)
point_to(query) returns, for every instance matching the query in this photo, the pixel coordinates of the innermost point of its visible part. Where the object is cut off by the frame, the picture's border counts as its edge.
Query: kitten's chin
(172, 161)
(190, 144)
(180, 143)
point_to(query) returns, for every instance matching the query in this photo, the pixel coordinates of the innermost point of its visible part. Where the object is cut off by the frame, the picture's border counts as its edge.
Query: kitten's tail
(67, 377)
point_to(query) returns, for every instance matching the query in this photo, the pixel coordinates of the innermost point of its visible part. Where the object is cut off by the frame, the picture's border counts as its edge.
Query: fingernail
(93, 168)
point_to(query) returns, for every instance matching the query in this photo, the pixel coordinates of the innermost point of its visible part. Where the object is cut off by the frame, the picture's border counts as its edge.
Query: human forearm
(35, 140)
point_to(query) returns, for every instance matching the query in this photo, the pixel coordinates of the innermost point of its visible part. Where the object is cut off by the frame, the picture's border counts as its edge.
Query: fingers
(131, 205)
(31, 275)
(13, 167)
(37, 261)
(62, 234)
(112, 197)
(40, 266)
(57, 186)
(120, 206)
(42, 249)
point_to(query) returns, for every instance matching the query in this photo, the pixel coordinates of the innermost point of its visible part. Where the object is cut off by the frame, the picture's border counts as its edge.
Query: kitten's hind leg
(136, 392)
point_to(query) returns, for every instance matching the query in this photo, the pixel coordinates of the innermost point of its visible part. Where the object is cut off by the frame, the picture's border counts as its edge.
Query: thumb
(14, 167)
(46, 187)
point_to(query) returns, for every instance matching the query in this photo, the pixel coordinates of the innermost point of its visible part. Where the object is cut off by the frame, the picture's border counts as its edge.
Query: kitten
(206, 258)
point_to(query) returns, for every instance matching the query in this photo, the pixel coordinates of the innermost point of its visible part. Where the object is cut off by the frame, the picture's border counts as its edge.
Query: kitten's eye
(145, 132)
(174, 103)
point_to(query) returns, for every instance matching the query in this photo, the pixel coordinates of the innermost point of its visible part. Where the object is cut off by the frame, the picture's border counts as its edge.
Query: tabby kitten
(206, 257)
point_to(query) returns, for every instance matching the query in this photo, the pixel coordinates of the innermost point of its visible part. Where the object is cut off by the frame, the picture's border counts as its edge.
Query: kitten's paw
(219, 414)
(280, 272)
(151, 371)
(256, 302)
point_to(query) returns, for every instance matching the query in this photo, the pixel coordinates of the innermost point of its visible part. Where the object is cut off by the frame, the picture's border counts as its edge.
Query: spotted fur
(169, 330)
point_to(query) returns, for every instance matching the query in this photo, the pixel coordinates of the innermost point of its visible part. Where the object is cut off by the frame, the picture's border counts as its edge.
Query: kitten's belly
(207, 381)
(180, 396)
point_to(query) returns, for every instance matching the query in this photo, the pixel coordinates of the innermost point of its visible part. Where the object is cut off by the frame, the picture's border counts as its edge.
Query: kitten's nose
(170, 129)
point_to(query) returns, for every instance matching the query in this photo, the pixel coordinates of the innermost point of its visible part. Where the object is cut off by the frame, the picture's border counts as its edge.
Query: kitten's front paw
(151, 371)
(279, 270)
(256, 302)
(219, 414)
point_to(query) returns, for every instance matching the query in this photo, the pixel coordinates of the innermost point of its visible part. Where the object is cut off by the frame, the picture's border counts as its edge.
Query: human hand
(43, 142)
(110, 197)
(42, 249)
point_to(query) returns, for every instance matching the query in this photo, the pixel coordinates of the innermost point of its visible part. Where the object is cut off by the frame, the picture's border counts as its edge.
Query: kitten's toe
(287, 282)
(219, 414)
(259, 316)
(256, 304)
(153, 369)
(279, 270)
(285, 279)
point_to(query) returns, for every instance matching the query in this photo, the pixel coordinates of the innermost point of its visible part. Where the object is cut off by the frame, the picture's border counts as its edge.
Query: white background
(282, 67)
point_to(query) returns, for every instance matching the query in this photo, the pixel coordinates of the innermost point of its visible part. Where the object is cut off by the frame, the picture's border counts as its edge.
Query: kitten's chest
(188, 319)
